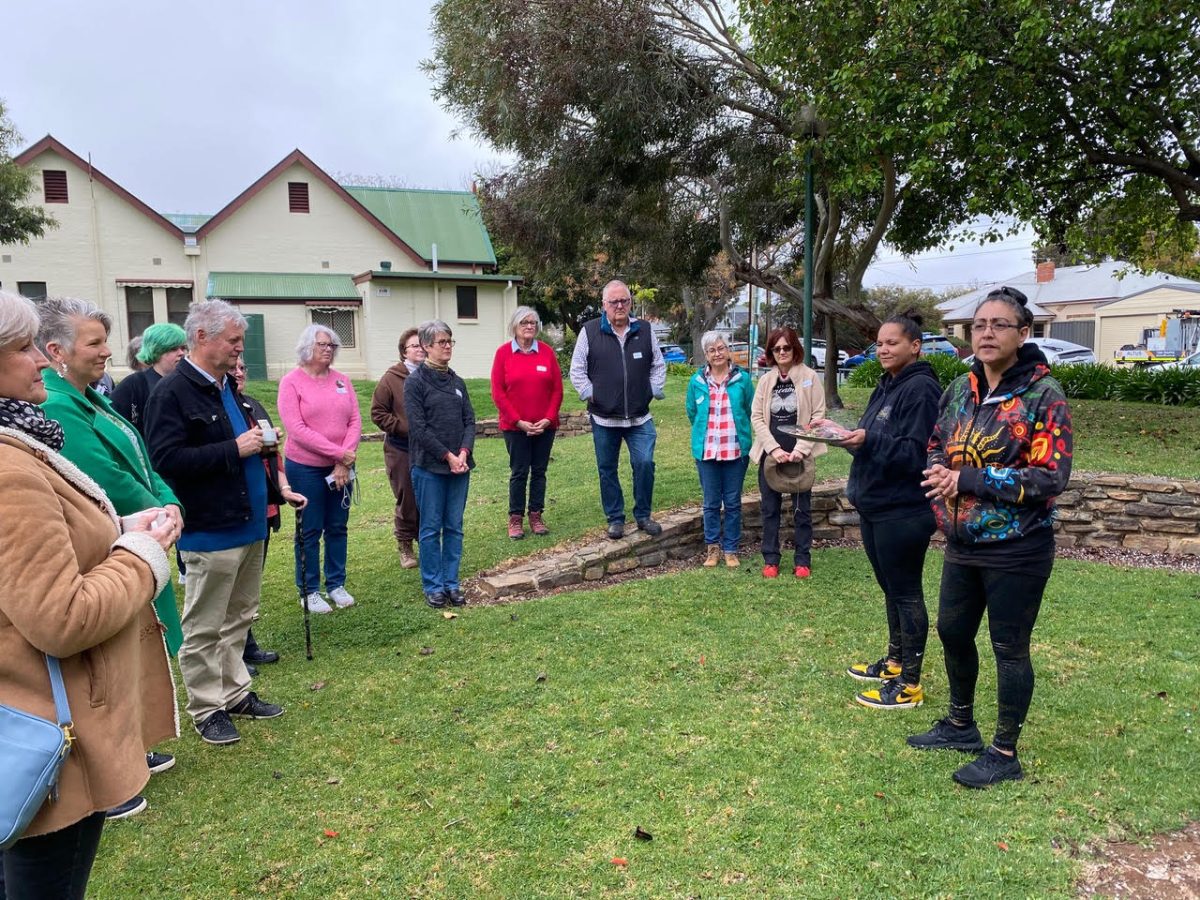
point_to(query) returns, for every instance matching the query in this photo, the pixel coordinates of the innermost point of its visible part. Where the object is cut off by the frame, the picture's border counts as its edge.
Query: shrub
(681, 369)
(1088, 381)
(945, 366)
(1168, 387)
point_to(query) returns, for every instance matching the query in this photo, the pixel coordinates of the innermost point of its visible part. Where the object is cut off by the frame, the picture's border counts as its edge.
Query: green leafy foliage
(18, 221)
(945, 366)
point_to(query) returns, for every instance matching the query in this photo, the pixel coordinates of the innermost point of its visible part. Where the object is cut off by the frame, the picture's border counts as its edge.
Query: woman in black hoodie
(889, 448)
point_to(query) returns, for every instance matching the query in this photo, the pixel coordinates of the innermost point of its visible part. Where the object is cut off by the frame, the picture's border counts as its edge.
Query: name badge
(457, 391)
(542, 369)
(807, 383)
(637, 354)
(341, 386)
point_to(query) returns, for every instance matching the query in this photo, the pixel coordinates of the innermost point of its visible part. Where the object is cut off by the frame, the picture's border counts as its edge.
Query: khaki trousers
(222, 596)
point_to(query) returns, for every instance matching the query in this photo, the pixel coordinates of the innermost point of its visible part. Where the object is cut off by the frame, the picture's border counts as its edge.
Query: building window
(178, 301)
(34, 290)
(340, 320)
(139, 309)
(468, 301)
(54, 185)
(1038, 330)
(298, 196)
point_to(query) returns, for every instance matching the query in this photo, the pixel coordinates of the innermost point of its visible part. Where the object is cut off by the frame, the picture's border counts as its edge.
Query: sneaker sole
(162, 767)
(243, 715)
(979, 787)
(872, 704)
(132, 811)
(948, 745)
(880, 680)
(220, 742)
(345, 605)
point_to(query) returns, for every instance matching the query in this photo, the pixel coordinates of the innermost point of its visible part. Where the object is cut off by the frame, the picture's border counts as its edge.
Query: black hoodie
(885, 476)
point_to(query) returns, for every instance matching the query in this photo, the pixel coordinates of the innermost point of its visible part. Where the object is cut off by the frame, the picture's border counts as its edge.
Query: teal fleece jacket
(741, 395)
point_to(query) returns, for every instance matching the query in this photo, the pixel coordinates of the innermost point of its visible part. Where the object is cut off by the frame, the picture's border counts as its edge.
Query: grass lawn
(513, 750)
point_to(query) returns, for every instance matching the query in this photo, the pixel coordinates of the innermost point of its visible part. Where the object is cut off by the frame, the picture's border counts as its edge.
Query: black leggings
(1012, 601)
(896, 549)
(55, 865)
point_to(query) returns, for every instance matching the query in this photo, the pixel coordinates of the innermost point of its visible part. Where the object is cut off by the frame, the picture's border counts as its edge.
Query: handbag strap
(61, 707)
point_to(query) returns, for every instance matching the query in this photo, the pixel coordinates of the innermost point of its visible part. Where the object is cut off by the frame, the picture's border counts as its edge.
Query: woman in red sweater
(528, 391)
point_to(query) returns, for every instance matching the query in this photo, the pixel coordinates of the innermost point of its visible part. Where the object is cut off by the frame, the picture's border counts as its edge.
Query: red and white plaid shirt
(720, 439)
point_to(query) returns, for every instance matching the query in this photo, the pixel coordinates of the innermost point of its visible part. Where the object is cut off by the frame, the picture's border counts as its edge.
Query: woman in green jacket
(718, 406)
(105, 447)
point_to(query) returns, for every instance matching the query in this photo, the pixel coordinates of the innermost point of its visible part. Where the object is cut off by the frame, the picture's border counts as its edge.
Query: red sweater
(526, 385)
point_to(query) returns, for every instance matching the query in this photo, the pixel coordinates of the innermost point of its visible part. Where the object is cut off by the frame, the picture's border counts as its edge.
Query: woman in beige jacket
(789, 393)
(83, 594)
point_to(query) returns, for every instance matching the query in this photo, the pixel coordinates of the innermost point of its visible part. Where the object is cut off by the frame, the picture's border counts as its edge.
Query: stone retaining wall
(1156, 515)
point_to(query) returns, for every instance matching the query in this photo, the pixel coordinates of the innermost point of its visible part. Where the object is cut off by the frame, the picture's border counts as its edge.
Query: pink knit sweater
(320, 417)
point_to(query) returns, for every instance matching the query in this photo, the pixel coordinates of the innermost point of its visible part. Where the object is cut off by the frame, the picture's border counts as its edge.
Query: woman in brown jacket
(387, 411)
(83, 595)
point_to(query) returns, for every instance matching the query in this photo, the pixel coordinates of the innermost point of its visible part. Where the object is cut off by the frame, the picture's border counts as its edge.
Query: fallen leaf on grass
(316, 685)
(449, 615)
(333, 781)
(642, 835)
(620, 861)
(1161, 695)
(330, 833)
(880, 795)
(701, 659)
(541, 676)
(426, 651)
(1003, 846)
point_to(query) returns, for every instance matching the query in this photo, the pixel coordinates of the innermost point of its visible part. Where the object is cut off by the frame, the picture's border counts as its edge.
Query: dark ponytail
(1014, 300)
(910, 323)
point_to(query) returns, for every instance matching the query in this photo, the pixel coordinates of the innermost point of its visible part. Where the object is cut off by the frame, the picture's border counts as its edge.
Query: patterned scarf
(31, 419)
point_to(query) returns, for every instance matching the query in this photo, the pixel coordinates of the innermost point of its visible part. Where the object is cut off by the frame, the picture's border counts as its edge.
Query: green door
(255, 353)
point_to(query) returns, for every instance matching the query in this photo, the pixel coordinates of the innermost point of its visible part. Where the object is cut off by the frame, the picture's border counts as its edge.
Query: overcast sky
(186, 104)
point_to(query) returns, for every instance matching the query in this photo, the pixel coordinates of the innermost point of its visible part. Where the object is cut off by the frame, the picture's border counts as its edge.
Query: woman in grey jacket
(441, 429)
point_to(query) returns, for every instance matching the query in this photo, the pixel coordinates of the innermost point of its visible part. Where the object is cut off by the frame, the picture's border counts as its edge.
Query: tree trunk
(833, 399)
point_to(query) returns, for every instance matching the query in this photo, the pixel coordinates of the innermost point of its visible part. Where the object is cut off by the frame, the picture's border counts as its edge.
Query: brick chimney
(1045, 271)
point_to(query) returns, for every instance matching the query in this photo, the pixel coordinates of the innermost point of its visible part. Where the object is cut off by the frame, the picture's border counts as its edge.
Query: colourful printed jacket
(1011, 447)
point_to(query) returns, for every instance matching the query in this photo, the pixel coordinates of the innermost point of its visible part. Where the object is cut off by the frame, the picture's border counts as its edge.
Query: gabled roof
(51, 143)
(188, 223)
(1103, 282)
(1191, 287)
(298, 158)
(421, 218)
(280, 286)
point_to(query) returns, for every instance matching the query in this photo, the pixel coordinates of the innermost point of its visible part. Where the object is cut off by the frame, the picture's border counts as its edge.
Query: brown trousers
(408, 520)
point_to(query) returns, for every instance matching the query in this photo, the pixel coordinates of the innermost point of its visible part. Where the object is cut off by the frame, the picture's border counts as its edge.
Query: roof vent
(385, 265)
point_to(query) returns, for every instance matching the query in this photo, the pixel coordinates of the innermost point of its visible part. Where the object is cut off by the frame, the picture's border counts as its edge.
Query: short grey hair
(428, 331)
(212, 317)
(131, 353)
(18, 319)
(522, 312)
(711, 337)
(616, 282)
(308, 342)
(58, 315)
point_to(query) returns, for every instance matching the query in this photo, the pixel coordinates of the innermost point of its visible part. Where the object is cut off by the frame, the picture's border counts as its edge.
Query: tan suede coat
(73, 589)
(810, 404)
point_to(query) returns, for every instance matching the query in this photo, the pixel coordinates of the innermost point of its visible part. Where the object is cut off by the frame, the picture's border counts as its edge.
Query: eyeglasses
(528, 323)
(713, 351)
(996, 326)
(621, 301)
(444, 342)
(324, 345)
(782, 348)
(416, 346)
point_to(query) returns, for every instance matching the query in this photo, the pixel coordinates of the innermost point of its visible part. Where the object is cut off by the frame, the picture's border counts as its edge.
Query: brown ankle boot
(714, 556)
(516, 527)
(408, 559)
(536, 525)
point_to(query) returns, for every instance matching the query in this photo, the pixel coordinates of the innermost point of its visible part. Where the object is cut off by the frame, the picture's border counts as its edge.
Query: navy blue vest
(620, 377)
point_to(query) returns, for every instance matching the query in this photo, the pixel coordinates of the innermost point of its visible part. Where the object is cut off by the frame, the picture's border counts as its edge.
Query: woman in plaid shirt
(718, 406)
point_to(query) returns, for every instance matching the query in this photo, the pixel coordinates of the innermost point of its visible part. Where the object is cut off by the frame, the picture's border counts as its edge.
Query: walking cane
(303, 593)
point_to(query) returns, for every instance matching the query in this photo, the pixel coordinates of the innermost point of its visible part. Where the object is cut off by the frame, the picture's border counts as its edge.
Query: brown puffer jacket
(74, 589)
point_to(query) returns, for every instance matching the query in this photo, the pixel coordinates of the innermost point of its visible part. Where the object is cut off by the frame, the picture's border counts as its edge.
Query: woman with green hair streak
(163, 346)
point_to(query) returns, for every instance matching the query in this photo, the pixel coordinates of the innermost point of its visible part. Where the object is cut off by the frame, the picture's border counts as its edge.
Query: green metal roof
(444, 276)
(422, 218)
(189, 223)
(280, 286)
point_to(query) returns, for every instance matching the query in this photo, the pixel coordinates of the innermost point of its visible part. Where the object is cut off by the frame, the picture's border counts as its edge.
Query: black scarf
(31, 419)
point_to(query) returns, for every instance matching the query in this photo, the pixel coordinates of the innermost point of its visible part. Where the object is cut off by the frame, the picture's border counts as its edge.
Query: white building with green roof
(295, 247)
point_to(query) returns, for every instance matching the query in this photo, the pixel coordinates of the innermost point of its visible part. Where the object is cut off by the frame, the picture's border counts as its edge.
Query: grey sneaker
(945, 735)
(218, 729)
(990, 768)
(250, 707)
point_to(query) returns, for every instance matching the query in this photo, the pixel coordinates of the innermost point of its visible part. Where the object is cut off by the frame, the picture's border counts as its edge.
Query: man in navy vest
(617, 369)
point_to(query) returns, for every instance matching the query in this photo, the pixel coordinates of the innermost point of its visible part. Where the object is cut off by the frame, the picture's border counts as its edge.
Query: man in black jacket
(208, 452)
(617, 368)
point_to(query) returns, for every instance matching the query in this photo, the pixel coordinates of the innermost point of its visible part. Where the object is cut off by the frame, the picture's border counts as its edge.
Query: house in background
(1066, 302)
(292, 249)
(1165, 320)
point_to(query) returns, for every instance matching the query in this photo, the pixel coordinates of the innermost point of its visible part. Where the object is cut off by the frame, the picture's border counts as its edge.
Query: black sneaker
(616, 530)
(437, 600)
(649, 526)
(260, 657)
(250, 707)
(991, 768)
(159, 762)
(218, 729)
(456, 597)
(945, 735)
(128, 808)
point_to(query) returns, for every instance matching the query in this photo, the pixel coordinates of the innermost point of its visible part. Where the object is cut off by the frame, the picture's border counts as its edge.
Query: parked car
(1057, 352)
(818, 353)
(930, 343)
(1187, 362)
(741, 355)
(673, 353)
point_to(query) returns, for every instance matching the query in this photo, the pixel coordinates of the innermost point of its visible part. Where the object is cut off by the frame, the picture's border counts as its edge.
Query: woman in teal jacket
(718, 406)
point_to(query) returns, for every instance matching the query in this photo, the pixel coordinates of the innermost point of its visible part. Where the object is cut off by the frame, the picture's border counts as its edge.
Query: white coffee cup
(269, 435)
(133, 521)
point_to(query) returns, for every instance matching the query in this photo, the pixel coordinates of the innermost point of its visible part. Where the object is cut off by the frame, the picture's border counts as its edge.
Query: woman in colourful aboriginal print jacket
(999, 455)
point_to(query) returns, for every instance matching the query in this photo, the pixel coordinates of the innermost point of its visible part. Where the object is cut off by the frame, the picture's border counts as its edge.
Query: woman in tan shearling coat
(78, 589)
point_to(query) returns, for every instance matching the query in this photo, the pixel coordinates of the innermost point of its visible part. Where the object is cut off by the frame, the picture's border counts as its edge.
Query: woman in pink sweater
(319, 411)
(528, 390)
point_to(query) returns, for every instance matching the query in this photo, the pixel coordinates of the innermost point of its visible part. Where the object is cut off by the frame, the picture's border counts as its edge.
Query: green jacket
(110, 451)
(741, 395)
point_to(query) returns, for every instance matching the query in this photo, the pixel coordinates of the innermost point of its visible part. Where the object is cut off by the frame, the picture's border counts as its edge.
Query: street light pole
(810, 129)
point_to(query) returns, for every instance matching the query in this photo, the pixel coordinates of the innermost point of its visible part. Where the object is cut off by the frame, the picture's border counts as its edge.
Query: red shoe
(770, 571)
(516, 527)
(536, 525)
(803, 571)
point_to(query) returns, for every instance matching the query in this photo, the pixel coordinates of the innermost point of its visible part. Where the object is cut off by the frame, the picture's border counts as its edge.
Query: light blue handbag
(32, 751)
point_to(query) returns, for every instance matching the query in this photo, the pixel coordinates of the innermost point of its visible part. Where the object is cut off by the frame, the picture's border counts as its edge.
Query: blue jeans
(441, 500)
(640, 439)
(327, 513)
(721, 484)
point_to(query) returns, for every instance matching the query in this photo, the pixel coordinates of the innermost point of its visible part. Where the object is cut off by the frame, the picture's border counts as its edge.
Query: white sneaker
(341, 597)
(316, 604)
